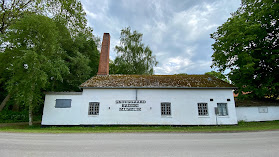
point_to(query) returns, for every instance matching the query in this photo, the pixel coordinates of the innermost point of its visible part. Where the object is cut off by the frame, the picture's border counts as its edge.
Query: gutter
(63, 93)
(158, 87)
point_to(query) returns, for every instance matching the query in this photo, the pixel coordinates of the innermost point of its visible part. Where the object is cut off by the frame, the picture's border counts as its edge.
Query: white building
(257, 110)
(142, 100)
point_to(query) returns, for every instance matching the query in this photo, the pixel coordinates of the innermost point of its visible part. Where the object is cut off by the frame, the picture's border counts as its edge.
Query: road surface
(246, 144)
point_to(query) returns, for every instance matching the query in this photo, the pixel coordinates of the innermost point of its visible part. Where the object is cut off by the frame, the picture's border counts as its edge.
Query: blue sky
(177, 31)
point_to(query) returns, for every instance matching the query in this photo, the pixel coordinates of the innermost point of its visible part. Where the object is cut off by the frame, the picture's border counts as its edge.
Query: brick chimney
(104, 56)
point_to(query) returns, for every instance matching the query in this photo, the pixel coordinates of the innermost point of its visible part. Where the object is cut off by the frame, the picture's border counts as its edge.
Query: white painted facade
(257, 113)
(184, 109)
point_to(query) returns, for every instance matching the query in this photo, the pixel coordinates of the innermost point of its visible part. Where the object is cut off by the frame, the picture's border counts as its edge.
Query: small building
(257, 110)
(142, 100)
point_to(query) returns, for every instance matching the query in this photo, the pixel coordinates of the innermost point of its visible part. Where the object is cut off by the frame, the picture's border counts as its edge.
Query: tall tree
(70, 11)
(247, 44)
(34, 56)
(81, 56)
(12, 10)
(76, 41)
(133, 56)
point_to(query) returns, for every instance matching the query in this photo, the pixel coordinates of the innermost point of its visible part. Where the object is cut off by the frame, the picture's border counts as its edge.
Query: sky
(177, 31)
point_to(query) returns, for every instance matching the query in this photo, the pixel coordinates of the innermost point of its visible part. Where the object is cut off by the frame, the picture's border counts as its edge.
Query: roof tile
(155, 81)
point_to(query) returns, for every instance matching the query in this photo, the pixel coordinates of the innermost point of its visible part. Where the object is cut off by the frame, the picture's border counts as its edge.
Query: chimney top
(104, 56)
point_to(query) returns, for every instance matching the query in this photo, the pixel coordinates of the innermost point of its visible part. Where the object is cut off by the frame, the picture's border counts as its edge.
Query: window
(63, 103)
(202, 109)
(93, 108)
(222, 109)
(165, 109)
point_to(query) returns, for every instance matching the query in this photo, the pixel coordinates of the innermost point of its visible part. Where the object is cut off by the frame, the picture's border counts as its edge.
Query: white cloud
(194, 22)
(177, 31)
(174, 65)
(91, 14)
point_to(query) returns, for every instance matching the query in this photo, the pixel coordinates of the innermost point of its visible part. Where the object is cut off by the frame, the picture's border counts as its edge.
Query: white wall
(61, 116)
(183, 107)
(255, 113)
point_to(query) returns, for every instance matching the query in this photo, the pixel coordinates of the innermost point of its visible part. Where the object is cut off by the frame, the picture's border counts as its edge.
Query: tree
(70, 11)
(81, 56)
(34, 56)
(14, 9)
(133, 56)
(218, 75)
(76, 41)
(247, 44)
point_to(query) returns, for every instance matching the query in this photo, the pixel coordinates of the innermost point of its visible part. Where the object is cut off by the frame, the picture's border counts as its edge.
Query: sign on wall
(130, 105)
(263, 109)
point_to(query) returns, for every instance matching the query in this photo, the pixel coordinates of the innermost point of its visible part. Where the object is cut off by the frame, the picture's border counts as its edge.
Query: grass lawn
(242, 126)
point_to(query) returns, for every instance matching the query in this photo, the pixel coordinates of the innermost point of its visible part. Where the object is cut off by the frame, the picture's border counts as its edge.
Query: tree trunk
(30, 115)
(4, 102)
(31, 107)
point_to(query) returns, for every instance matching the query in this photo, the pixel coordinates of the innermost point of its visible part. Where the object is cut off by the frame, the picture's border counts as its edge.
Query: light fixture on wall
(150, 108)
(109, 107)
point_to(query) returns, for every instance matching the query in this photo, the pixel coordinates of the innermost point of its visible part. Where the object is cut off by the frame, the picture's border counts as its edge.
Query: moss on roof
(155, 81)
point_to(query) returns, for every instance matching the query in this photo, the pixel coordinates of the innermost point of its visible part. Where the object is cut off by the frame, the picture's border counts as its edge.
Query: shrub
(12, 116)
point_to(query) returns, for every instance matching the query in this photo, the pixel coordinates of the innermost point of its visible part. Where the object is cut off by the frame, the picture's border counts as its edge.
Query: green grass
(241, 127)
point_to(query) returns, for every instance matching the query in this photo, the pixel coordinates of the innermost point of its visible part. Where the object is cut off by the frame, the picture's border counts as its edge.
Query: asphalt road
(254, 144)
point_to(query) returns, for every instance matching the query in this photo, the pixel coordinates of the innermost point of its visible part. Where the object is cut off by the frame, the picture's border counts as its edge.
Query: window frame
(166, 106)
(221, 111)
(203, 112)
(57, 105)
(92, 109)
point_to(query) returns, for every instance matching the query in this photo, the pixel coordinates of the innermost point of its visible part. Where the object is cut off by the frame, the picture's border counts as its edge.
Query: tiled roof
(155, 81)
(253, 102)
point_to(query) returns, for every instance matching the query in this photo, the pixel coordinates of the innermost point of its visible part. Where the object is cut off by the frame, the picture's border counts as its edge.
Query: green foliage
(12, 10)
(9, 116)
(70, 11)
(18, 112)
(133, 56)
(12, 117)
(34, 56)
(81, 56)
(247, 44)
(40, 53)
(218, 75)
(87, 45)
